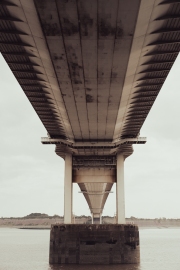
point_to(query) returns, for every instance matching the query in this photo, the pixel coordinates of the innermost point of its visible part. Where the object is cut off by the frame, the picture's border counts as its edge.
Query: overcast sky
(31, 176)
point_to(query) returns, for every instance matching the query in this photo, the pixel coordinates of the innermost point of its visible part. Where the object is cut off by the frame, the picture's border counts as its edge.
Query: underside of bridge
(92, 71)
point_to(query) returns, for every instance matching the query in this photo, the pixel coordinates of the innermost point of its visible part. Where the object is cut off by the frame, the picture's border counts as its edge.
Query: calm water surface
(29, 250)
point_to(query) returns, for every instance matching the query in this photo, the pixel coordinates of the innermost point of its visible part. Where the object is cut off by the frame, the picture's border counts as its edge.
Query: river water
(29, 250)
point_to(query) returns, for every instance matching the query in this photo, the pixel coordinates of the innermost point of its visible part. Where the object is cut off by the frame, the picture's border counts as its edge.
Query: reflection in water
(96, 267)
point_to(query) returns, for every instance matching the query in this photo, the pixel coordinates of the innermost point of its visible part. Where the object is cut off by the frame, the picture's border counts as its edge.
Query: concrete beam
(117, 142)
(94, 175)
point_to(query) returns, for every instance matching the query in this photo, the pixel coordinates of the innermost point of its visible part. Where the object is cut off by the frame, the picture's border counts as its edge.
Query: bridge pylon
(95, 178)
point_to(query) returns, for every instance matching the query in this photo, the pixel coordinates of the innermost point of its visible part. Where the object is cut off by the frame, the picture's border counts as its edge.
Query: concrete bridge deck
(92, 71)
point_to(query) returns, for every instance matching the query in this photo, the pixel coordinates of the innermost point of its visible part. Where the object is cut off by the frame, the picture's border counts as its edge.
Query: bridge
(92, 71)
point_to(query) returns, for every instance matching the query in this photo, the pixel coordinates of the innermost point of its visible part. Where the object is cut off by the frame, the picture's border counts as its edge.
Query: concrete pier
(94, 244)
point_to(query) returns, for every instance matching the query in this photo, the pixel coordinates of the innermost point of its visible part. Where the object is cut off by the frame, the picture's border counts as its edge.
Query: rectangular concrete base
(94, 244)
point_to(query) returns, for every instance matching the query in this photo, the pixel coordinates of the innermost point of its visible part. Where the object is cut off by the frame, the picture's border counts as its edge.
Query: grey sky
(31, 176)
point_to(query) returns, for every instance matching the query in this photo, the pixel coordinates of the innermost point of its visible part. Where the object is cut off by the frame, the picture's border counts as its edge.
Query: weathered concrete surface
(94, 244)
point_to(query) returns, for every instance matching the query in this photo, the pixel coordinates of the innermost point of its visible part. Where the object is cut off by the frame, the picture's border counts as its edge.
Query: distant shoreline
(48, 228)
(45, 222)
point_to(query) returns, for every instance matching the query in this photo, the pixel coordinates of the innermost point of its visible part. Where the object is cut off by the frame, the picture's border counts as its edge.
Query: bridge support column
(92, 218)
(96, 219)
(120, 205)
(68, 189)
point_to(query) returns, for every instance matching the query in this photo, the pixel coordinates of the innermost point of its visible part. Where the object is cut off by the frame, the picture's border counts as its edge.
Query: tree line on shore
(42, 216)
